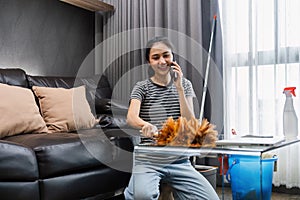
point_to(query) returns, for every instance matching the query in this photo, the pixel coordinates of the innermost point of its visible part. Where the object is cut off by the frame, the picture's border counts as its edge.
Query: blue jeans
(188, 184)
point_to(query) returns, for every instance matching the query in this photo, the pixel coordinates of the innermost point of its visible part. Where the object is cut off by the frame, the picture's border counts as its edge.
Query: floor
(275, 195)
(227, 195)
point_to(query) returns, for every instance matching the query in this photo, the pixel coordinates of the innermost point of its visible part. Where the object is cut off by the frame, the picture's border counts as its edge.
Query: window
(261, 57)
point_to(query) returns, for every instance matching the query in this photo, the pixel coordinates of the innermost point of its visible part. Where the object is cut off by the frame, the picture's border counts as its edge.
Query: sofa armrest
(124, 140)
(110, 106)
(112, 121)
(118, 136)
(17, 162)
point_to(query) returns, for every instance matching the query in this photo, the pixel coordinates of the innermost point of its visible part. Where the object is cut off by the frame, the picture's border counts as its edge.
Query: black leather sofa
(61, 165)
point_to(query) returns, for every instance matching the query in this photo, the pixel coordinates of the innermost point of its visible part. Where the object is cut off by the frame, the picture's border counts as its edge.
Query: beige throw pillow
(19, 112)
(64, 110)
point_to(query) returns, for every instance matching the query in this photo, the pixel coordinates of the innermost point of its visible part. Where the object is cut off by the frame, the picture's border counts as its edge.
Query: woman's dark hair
(151, 42)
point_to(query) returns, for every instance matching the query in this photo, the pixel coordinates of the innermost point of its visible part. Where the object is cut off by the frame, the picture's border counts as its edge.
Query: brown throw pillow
(19, 112)
(64, 110)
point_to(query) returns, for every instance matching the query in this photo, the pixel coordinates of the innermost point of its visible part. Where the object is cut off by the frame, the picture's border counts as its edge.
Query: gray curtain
(122, 35)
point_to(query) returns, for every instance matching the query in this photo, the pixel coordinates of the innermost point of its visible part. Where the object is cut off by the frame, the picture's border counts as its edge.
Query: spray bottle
(290, 120)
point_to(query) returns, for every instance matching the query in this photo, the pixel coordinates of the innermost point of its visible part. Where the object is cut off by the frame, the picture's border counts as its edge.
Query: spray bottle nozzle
(290, 90)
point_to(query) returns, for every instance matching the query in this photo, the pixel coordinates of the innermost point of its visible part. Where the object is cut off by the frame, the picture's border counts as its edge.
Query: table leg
(222, 169)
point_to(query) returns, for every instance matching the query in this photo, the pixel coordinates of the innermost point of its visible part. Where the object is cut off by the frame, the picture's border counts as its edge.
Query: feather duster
(187, 133)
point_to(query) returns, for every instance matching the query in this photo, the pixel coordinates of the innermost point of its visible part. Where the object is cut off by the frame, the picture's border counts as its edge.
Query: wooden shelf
(91, 5)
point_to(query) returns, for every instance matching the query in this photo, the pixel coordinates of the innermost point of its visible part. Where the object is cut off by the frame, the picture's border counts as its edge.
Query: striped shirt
(159, 102)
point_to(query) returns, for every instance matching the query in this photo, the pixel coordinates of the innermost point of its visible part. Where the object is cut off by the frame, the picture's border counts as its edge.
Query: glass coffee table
(220, 150)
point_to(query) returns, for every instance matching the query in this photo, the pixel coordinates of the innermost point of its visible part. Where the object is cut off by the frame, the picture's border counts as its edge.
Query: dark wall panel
(45, 37)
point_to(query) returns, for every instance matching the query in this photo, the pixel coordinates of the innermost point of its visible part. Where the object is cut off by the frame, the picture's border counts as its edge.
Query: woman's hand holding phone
(176, 75)
(175, 71)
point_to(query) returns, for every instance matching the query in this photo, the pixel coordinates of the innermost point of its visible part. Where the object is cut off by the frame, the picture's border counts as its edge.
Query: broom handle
(206, 78)
(207, 69)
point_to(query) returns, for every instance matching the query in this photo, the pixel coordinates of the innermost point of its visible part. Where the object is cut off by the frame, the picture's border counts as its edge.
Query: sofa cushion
(18, 162)
(19, 190)
(63, 153)
(19, 112)
(94, 184)
(58, 153)
(64, 109)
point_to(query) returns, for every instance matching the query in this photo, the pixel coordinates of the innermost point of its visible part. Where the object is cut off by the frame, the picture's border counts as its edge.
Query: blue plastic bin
(245, 178)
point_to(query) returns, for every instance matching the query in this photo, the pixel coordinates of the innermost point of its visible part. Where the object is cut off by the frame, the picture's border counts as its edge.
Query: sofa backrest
(99, 84)
(98, 90)
(13, 76)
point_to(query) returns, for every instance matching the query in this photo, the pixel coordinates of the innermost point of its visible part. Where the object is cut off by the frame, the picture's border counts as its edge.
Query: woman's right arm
(133, 118)
(135, 121)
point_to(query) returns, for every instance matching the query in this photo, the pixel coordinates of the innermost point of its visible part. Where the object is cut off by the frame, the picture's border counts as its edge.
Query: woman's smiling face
(160, 58)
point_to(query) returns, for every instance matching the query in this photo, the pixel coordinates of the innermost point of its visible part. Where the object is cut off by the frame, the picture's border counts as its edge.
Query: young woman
(152, 102)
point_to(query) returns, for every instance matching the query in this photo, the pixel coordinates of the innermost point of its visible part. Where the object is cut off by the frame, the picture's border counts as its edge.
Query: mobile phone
(173, 74)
